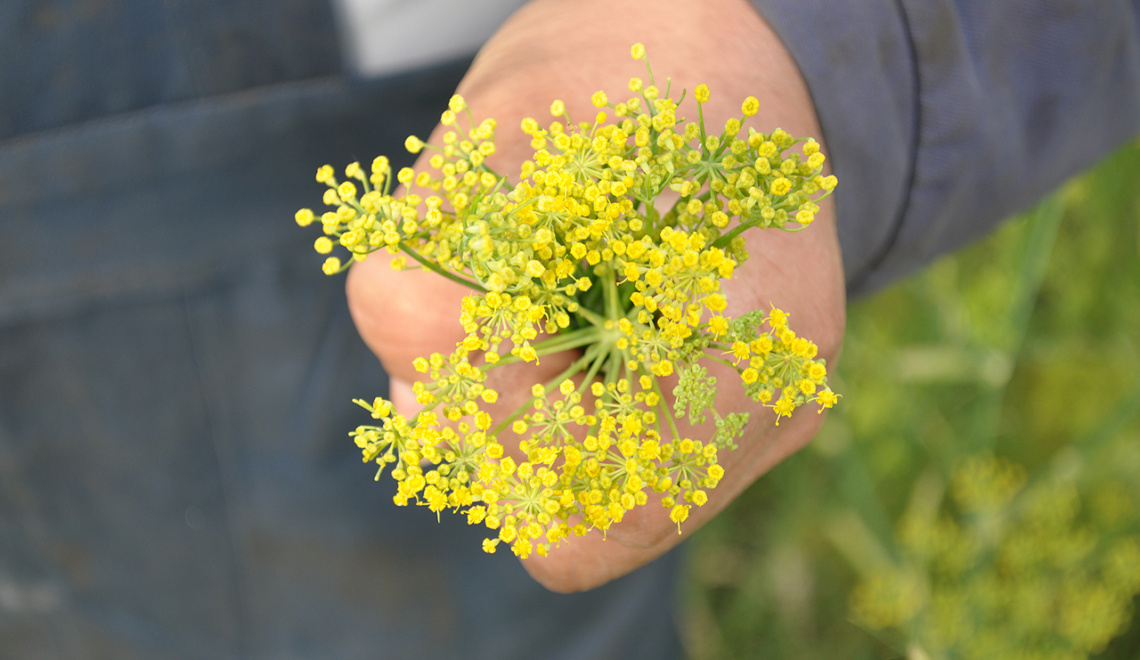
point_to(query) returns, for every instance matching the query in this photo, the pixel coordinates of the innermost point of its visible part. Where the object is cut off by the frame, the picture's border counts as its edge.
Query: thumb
(402, 315)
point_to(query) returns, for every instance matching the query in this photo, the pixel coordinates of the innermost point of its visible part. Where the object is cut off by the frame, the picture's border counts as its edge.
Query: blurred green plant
(978, 499)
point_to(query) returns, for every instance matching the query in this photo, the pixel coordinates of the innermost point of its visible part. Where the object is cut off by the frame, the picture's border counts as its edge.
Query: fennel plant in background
(983, 499)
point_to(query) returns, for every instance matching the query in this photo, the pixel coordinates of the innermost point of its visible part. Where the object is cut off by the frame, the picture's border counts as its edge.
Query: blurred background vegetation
(975, 493)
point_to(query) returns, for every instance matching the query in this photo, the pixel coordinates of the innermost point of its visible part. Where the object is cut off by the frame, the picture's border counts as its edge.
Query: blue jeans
(176, 479)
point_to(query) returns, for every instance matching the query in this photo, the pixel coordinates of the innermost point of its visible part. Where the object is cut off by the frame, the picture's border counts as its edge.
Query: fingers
(402, 315)
(402, 397)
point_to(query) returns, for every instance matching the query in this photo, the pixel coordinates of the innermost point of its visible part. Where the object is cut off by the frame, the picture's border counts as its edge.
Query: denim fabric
(68, 61)
(175, 373)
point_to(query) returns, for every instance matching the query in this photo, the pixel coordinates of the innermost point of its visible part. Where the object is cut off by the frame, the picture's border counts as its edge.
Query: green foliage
(977, 496)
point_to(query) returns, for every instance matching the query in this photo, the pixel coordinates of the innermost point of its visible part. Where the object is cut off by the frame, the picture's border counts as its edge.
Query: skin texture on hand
(568, 49)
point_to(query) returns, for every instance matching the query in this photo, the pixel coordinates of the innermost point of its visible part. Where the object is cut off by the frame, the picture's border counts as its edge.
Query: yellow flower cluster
(578, 250)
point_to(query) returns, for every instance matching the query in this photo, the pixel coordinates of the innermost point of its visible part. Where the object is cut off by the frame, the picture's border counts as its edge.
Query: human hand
(569, 49)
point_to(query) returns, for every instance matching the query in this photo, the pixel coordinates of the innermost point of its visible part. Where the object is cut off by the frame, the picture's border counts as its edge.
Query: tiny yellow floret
(413, 144)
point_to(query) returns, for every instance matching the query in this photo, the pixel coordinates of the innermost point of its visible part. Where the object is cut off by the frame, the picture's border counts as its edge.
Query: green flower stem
(725, 239)
(594, 318)
(613, 366)
(666, 412)
(604, 355)
(613, 306)
(503, 181)
(591, 354)
(568, 341)
(720, 360)
(701, 120)
(439, 271)
(556, 344)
